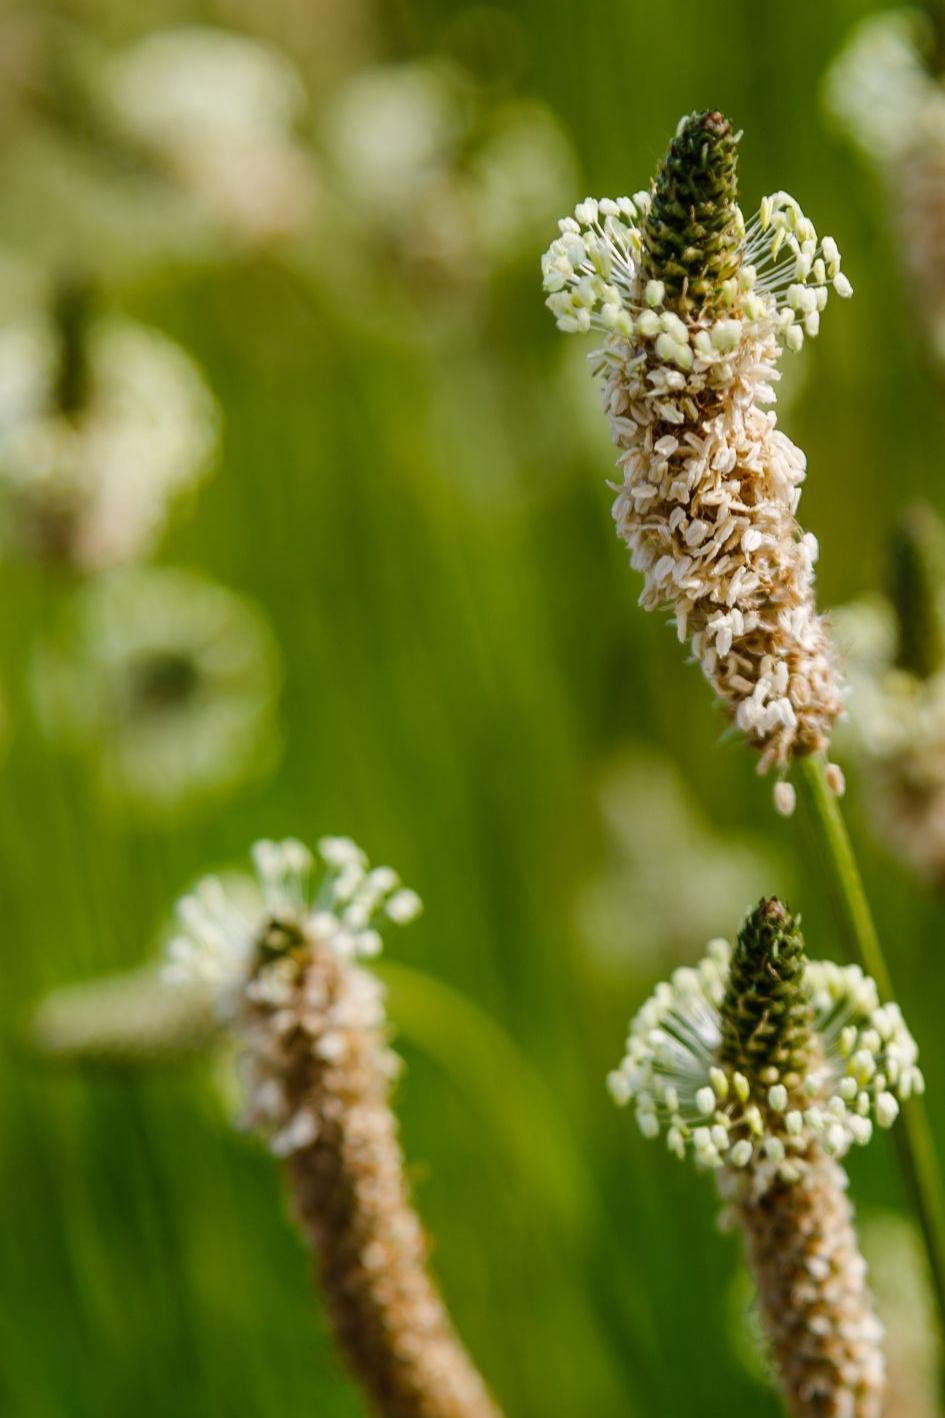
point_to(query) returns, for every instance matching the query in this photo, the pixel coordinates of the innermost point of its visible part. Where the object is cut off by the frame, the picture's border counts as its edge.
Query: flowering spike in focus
(766, 1068)
(695, 307)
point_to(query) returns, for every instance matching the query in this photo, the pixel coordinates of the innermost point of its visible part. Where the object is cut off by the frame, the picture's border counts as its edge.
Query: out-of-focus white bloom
(231, 931)
(167, 680)
(134, 1018)
(95, 486)
(879, 86)
(440, 179)
(636, 912)
(886, 91)
(218, 111)
(389, 132)
(890, 710)
(896, 726)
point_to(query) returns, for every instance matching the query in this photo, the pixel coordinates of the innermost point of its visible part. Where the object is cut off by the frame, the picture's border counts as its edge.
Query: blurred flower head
(886, 90)
(445, 182)
(167, 681)
(880, 88)
(317, 1070)
(244, 933)
(895, 726)
(102, 424)
(218, 112)
(635, 913)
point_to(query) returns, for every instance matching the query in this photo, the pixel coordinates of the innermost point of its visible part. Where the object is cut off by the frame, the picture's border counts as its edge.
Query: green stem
(913, 1134)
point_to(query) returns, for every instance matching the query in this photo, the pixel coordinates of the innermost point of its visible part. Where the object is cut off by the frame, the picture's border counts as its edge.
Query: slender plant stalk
(914, 1136)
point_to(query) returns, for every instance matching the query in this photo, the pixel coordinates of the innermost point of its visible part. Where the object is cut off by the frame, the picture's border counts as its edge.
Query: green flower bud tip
(693, 231)
(766, 1014)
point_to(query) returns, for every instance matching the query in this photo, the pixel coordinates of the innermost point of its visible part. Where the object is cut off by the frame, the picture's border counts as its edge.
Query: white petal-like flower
(437, 186)
(218, 111)
(94, 485)
(885, 89)
(168, 680)
(895, 730)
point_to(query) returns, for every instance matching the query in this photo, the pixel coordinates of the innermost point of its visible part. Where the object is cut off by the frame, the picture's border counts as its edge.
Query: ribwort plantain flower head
(684, 248)
(251, 929)
(745, 1060)
(283, 956)
(696, 305)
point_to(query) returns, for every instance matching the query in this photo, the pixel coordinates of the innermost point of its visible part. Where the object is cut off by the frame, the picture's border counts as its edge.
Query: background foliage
(463, 660)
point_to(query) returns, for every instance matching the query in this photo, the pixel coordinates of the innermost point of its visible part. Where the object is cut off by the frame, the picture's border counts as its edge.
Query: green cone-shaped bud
(693, 231)
(766, 1016)
(917, 589)
(71, 313)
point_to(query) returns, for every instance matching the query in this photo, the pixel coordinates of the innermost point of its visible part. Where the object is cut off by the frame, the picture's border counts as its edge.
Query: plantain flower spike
(895, 651)
(311, 1032)
(766, 1068)
(695, 306)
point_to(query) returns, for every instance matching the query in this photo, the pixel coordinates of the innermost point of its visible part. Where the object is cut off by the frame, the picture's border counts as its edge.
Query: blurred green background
(412, 486)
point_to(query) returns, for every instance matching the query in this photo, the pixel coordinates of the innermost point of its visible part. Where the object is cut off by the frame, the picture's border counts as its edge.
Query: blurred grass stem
(914, 1136)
